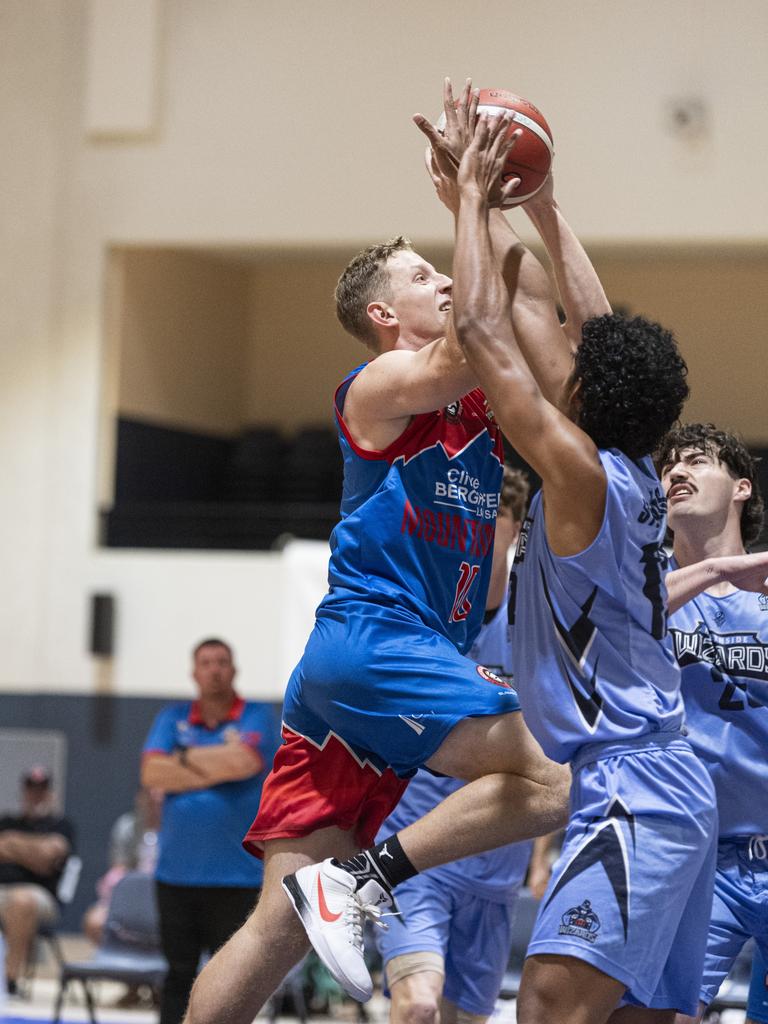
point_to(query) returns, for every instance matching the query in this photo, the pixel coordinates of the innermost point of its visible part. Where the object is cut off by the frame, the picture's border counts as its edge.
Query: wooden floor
(37, 1002)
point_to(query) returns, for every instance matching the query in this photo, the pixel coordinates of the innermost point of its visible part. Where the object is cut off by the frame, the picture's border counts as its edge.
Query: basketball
(531, 157)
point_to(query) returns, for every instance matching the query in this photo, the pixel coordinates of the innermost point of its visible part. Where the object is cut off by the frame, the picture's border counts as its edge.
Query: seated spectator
(132, 847)
(34, 846)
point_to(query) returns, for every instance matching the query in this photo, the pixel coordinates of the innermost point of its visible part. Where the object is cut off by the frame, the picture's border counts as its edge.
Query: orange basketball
(531, 157)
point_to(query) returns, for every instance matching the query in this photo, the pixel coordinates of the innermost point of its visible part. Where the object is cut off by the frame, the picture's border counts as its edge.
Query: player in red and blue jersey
(384, 687)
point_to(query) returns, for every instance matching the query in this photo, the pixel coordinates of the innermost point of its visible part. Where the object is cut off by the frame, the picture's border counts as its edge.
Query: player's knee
(22, 904)
(537, 1002)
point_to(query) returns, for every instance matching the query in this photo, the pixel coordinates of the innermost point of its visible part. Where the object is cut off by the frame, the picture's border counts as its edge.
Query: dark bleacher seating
(255, 465)
(312, 470)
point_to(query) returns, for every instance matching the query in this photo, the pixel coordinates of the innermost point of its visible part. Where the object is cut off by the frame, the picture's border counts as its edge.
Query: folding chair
(130, 949)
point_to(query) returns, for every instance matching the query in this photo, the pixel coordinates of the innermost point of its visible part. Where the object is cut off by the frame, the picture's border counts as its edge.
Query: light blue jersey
(600, 688)
(591, 655)
(721, 644)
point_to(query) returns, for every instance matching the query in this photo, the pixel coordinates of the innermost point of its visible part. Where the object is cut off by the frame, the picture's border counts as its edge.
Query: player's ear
(742, 490)
(382, 314)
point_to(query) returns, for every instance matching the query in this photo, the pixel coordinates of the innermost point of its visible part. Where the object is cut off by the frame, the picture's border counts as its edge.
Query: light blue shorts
(757, 1006)
(632, 888)
(473, 936)
(739, 909)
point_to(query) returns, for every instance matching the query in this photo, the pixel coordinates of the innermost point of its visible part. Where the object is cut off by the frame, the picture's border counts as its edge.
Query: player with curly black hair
(631, 383)
(597, 681)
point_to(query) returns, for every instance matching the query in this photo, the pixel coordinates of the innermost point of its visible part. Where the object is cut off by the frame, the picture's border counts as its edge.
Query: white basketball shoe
(333, 914)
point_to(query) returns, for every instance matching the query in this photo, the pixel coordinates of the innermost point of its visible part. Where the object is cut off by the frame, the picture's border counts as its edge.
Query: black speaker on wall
(102, 625)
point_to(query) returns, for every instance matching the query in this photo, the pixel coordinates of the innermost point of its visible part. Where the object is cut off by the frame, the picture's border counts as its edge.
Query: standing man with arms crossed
(721, 643)
(209, 757)
(408, 581)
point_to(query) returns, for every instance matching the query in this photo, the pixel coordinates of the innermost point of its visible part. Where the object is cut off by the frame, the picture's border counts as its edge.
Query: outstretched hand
(452, 139)
(483, 161)
(468, 151)
(747, 572)
(447, 143)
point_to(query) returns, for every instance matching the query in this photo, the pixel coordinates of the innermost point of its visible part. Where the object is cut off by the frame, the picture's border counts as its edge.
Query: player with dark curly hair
(631, 383)
(597, 681)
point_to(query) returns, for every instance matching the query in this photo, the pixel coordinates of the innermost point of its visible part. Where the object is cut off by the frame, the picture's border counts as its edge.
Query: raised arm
(523, 274)
(581, 293)
(562, 454)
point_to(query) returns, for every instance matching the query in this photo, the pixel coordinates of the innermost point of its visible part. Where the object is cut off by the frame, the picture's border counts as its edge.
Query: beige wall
(219, 343)
(183, 339)
(287, 125)
(716, 302)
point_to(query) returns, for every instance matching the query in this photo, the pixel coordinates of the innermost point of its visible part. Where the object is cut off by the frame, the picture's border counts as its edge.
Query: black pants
(193, 920)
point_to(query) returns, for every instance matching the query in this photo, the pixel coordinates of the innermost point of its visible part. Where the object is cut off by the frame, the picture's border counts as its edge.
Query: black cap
(37, 775)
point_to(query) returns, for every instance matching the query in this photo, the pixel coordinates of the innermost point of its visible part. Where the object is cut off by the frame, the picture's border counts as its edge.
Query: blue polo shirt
(202, 830)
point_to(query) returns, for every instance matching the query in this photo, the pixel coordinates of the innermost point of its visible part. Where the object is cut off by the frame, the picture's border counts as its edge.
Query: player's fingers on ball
(509, 189)
(473, 105)
(424, 125)
(515, 134)
(429, 163)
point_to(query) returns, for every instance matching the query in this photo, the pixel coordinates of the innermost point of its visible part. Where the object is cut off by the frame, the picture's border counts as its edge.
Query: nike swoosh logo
(325, 912)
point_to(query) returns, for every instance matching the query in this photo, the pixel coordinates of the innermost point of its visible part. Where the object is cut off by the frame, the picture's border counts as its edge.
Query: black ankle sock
(386, 863)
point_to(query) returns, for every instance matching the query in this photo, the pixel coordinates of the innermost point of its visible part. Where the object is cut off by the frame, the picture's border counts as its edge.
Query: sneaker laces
(358, 910)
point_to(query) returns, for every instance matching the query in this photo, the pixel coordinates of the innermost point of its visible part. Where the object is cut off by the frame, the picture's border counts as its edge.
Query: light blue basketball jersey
(721, 644)
(592, 658)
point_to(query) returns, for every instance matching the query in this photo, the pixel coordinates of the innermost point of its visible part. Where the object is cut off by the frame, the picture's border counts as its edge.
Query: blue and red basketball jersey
(418, 519)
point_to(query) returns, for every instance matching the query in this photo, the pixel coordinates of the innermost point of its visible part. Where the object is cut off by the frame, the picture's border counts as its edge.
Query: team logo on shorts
(762, 601)
(491, 677)
(580, 921)
(453, 411)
